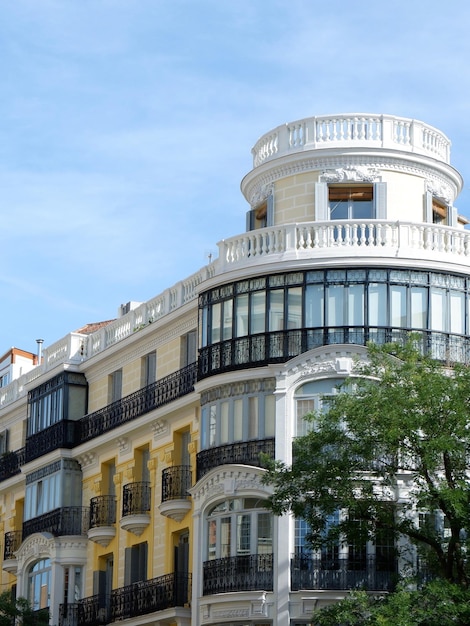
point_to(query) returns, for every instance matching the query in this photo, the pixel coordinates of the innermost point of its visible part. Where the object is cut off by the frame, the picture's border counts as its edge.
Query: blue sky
(126, 127)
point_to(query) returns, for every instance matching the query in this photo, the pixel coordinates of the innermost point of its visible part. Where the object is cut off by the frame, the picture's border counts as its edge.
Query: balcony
(136, 507)
(10, 464)
(63, 434)
(102, 527)
(279, 347)
(307, 242)
(70, 520)
(175, 497)
(141, 598)
(13, 541)
(252, 572)
(342, 574)
(138, 403)
(241, 453)
(352, 131)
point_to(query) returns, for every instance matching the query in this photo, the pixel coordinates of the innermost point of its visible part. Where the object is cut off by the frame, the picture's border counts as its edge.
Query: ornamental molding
(439, 190)
(35, 547)
(160, 428)
(322, 363)
(87, 459)
(263, 180)
(263, 194)
(351, 174)
(237, 388)
(225, 482)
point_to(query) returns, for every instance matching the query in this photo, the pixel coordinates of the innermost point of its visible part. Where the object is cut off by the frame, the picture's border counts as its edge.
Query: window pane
(377, 304)
(224, 426)
(241, 312)
(276, 310)
(294, 307)
(339, 210)
(303, 407)
(258, 312)
(225, 537)
(238, 420)
(361, 210)
(438, 309)
(335, 304)
(356, 305)
(215, 330)
(269, 416)
(265, 534)
(228, 319)
(212, 540)
(457, 312)
(213, 425)
(419, 307)
(243, 534)
(253, 417)
(397, 306)
(314, 299)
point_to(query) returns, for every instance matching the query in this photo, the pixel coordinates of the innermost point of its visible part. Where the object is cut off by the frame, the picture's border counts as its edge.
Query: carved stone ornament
(439, 190)
(351, 174)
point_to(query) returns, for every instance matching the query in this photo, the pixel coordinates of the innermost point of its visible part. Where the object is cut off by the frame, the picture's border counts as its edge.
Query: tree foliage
(439, 603)
(394, 444)
(19, 611)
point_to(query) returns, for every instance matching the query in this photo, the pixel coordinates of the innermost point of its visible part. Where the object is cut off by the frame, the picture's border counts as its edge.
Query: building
(131, 488)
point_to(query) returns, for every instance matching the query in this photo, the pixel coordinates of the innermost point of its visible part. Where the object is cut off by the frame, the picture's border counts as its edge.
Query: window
(189, 348)
(349, 203)
(149, 369)
(56, 485)
(115, 386)
(39, 584)
(239, 527)
(248, 416)
(61, 398)
(5, 379)
(261, 216)
(135, 563)
(310, 397)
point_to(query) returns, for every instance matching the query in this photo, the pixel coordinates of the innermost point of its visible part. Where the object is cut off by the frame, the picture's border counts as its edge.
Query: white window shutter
(380, 201)
(321, 202)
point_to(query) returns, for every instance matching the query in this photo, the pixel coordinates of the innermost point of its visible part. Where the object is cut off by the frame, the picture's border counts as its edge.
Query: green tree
(401, 425)
(19, 611)
(438, 603)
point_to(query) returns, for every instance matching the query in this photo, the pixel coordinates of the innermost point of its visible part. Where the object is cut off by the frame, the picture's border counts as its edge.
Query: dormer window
(351, 202)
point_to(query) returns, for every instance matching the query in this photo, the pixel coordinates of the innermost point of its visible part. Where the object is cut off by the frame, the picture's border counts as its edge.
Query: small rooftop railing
(352, 130)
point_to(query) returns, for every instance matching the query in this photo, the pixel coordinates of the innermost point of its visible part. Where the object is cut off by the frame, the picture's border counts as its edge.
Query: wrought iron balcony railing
(141, 598)
(242, 452)
(69, 520)
(102, 511)
(157, 394)
(136, 498)
(63, 434)
(10, 464)
(251, 572)
(280, 346)
(13, 540)
(370, 574)
(175, 482)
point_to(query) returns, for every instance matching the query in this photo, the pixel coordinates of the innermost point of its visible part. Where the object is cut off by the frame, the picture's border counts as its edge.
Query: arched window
(238, 527)
(39, 584)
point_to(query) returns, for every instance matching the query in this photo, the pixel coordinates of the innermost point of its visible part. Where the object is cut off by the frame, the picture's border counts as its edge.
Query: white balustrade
(383, 131)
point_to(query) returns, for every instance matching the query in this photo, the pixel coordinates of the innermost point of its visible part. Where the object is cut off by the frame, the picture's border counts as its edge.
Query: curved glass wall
(273, 318)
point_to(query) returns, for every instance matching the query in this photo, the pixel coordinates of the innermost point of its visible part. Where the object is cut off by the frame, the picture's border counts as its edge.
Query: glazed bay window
(61, 398)
(51, 487)
(239, 527)
(236, 419)
(273, 318)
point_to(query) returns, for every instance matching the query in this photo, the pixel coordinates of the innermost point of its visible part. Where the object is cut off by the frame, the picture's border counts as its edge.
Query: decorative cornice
(348, 162)
(352, 174)
(227, 481)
